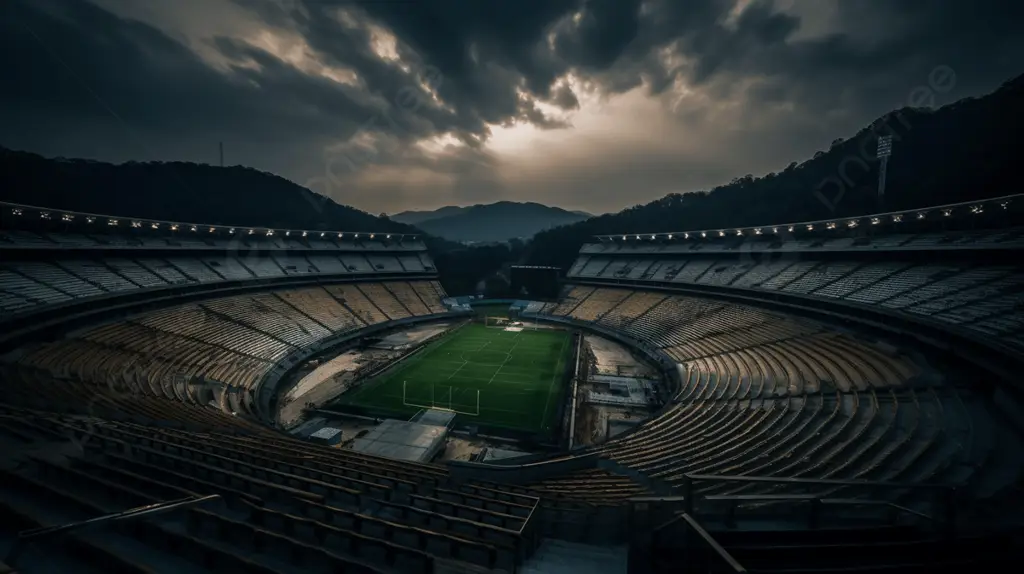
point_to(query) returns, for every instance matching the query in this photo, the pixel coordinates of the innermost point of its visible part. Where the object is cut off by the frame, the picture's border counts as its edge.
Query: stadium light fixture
(884, 146)
(154, 225)
(16, 211)
(921, 214)
(231, 231)
(670, 236)
(947, 212)
(389, 236)
(371, 236)
(623, 237)
(757, 231)
(322, 234)
(339, 236)
(810, 227)
(193, 229)
(652, 238)
(270, 232)
(251, 231)
(304, 234)
(883, 153)
(830, 225)
(212, 229)
(44, 215)
(67, 217)
(875, 221)
(739, 232)
(90, 219)
(174, 227)
(287, 233)
(775, 230)
(112, 222)
(136, 224)
(686, 236)
(976, 209)
(357, 236)
(1004, 204)
(702, 234)
(791, 229)
(721, 234)
(898, 218)
(852, 223)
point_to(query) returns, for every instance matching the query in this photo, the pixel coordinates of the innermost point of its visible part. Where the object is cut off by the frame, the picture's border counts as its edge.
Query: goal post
(495, 321)
(519, 324)
(443, 399)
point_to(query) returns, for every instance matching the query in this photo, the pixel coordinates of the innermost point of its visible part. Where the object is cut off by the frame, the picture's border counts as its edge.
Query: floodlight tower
(883, 154)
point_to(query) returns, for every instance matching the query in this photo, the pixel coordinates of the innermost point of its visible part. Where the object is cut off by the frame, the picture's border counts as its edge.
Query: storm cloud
(392, 105)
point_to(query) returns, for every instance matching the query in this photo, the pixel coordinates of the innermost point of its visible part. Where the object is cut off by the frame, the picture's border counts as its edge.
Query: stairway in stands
(559, 557)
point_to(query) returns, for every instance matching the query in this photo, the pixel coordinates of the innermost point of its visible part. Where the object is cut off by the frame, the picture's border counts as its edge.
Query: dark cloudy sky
(392, 105)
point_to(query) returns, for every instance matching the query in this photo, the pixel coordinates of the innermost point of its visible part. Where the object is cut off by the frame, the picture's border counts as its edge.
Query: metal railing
(816, 506)
(944, 500)
(28, 536)
(703, 552)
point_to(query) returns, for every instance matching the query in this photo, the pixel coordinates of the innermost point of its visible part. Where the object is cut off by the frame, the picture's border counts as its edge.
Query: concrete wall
(520, 473)
(266, 390)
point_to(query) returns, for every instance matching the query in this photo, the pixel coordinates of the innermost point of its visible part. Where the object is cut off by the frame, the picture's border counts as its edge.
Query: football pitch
(487, 375)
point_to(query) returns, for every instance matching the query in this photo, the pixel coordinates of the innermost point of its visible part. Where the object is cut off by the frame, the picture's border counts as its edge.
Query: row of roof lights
(897, 218)
(852, 223)
(67, 217)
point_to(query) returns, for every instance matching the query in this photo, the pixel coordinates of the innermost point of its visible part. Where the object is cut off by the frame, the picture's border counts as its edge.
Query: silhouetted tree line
(197, 193)
(963, 151)
(178, 191)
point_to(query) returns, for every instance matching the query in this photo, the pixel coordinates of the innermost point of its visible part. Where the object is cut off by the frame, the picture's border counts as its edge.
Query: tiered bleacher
(231, 341)
(776, 409)
(978, 295)
(285, 505)
(968, 278)
(771, 395)
(72, 258)
(768, 419)
(157, 408)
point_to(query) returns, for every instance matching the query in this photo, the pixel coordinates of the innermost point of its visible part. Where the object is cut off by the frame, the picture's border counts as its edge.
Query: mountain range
(490, 222)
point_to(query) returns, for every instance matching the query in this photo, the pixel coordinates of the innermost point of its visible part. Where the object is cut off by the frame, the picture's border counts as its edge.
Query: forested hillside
(189, 192)
(177, 191)
(967, 150)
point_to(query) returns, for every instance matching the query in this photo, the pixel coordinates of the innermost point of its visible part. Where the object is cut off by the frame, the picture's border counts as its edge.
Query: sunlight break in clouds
(425, 105)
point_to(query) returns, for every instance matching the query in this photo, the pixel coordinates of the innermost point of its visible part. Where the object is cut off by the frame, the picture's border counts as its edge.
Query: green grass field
(519, 376)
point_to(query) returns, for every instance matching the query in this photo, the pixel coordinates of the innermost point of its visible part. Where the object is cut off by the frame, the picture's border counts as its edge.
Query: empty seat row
(229, 343)
(30, 285)
(966, 294)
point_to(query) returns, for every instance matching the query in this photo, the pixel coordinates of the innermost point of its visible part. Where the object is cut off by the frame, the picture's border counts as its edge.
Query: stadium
(826, 396)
